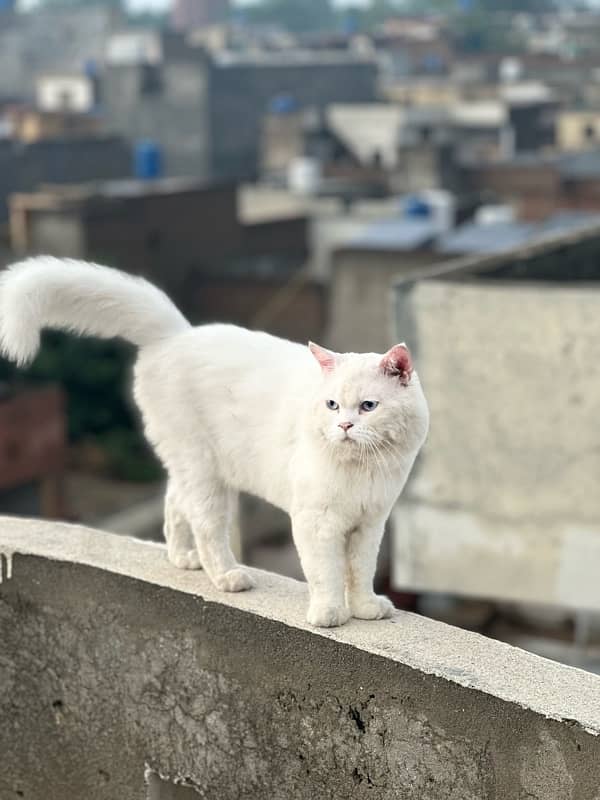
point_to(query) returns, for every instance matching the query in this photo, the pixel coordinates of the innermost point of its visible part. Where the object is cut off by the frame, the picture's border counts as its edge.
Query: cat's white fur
(230, 410)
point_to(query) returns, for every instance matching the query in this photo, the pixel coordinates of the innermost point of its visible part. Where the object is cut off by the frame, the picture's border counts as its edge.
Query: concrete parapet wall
(117, 670)
(504, 500)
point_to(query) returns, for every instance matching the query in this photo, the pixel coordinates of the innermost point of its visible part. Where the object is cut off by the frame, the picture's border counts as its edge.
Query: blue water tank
(350, 22)
(90, 67)
(148, 160)
(283, 104)
(416, 207)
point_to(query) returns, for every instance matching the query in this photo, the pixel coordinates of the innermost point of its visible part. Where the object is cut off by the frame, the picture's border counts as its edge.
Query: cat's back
(236, 350)
(241, 393)
(229, 361)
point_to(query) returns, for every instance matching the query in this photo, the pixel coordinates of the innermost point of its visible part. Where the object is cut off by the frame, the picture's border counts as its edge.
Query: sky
(160, 5)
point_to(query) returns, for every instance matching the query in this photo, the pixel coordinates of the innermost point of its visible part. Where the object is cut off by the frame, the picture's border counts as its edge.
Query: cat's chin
(345, 449)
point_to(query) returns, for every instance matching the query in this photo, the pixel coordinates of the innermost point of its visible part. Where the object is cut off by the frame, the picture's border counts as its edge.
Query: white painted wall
(65, 93)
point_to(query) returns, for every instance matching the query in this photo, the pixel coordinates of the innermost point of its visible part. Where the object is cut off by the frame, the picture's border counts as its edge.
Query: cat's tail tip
(19, 338)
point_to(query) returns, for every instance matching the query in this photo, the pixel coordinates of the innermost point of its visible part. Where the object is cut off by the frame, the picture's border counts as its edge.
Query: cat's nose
(345, 426)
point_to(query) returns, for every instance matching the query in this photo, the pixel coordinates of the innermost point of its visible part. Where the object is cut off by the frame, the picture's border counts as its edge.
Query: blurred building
(29, 124)
(43, 153)
(189, 14)
(68, 39)
(219, 100)
(541, 185)
(217, 259)
(578, 129)
(411, 247)
(73, 92)
(33, 444)
(503, 503)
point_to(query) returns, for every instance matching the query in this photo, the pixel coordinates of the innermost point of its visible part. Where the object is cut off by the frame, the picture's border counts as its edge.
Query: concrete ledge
(114, 663)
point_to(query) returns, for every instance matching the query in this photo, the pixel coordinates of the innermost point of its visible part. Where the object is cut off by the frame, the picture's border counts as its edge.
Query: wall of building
(537, 189)
(220, 106)
(189, 14)
(578, 130)
(165, 233)
(119, 670)
(65, 93)
(502, 503)
(188, 238)
(33, 126)
(534, 126)
(534, 188)
(361, 310)
(142, 100)
(267, 304)
(26, 166)
(240, 96)
(54, 40)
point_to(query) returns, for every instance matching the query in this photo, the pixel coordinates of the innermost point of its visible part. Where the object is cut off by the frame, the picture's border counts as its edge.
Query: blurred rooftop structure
(58, 39)
(497, 237)
(522, 342)
(221, 251)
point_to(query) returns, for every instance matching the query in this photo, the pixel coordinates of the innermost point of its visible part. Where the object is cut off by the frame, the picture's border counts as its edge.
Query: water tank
(415, 206)
(304, 175)
(443, 208)
(148, 161)
(283, 104)
(493, 215)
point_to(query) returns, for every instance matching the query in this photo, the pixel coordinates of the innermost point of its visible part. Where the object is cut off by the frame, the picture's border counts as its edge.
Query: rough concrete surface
(115, 666)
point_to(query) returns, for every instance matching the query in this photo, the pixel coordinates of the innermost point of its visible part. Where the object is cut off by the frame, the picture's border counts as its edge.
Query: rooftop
(289, 58)
(68, 196)
(499, 237)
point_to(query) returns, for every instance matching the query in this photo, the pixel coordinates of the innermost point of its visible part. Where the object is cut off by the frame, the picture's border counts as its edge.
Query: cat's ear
(397, 362)
(326, 358)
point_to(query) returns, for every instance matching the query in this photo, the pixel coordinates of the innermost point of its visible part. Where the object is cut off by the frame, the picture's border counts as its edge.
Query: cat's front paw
(374, 607)
(186, 560)
(325, 616)
(234, 580)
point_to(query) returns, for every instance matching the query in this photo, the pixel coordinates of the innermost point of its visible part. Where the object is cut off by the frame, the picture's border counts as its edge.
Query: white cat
(328, 437)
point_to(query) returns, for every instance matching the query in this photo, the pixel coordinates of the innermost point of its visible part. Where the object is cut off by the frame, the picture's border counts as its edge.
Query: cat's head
(369, 405)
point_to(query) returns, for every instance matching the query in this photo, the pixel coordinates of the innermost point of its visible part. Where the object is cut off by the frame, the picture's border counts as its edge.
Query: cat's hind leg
(181, 547)
(209, 508)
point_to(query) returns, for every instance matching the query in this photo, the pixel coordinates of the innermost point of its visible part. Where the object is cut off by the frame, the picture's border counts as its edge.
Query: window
(150, 79)
(589, 132)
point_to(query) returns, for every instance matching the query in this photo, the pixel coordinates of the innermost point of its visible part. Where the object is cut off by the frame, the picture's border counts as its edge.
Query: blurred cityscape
(351, 173)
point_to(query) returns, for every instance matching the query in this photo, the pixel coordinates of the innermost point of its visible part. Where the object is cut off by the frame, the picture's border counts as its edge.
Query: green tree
(116, 4)
(370, 17)
(96, 378)
(294, 15)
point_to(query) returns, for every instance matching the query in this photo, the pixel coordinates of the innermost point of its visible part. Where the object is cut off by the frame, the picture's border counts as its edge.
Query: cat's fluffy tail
(48, 292)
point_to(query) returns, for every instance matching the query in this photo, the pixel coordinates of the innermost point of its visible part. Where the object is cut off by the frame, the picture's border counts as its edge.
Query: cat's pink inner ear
(398, 362)
(326, 358)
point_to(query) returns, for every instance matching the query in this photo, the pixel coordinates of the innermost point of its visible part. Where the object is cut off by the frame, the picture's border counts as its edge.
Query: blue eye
(369, 405)
(332, 405)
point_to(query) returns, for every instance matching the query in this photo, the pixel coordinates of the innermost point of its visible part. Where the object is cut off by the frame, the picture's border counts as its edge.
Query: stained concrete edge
(552, 690)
